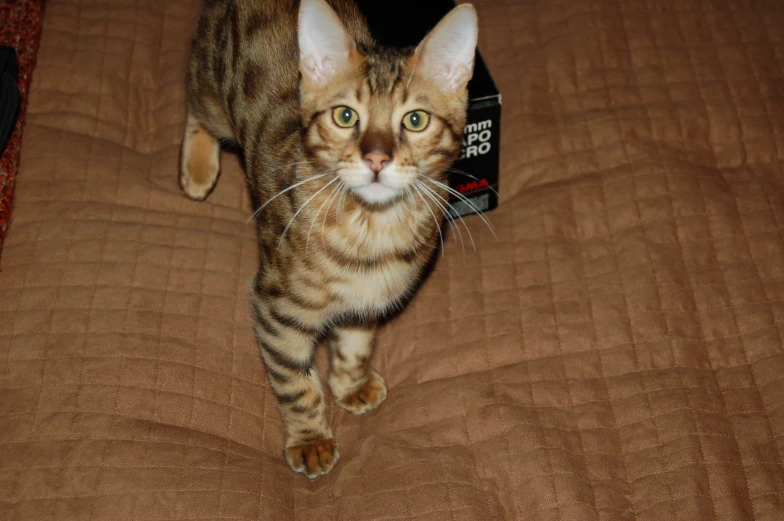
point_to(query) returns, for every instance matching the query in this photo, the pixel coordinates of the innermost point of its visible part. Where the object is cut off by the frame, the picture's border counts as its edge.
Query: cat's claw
(314, 458)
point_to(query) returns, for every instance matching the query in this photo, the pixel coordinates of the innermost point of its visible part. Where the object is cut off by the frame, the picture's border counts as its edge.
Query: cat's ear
(325, 47)
(446, 55)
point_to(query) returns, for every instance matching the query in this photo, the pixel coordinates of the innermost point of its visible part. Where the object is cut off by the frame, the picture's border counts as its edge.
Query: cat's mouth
(376, 189)
(376, 192)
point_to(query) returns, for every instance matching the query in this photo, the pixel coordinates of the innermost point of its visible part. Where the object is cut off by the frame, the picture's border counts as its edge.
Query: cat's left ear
(446, 55)
(325, 47)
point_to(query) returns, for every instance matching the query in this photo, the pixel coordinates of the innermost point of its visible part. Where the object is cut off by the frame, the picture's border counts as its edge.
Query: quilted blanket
(615, 355)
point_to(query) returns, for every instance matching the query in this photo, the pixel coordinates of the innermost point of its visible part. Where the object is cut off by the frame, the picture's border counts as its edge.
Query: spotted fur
(332, 264)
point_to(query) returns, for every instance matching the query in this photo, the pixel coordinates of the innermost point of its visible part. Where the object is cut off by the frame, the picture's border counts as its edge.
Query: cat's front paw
(314, 458)
(367, 397)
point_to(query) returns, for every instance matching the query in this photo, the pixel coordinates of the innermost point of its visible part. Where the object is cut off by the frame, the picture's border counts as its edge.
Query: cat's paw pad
(314, 458)
(367, 397)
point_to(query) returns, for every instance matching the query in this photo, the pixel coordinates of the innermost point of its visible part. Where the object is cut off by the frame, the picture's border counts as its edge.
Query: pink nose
(377, 160)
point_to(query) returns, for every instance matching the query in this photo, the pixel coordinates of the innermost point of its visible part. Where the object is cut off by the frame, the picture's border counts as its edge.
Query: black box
(404, 23)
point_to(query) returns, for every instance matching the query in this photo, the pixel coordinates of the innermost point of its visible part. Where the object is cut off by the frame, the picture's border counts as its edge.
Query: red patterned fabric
(20, 28)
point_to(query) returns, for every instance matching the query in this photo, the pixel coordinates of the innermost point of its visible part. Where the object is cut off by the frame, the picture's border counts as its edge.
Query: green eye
(416, 121)
(345, 117)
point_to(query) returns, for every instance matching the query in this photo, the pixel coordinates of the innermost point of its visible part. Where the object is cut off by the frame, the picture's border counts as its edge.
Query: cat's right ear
(325, 47)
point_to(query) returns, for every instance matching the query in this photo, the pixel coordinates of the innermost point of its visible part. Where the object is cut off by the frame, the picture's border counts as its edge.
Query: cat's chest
(373, 290)
(380, 276)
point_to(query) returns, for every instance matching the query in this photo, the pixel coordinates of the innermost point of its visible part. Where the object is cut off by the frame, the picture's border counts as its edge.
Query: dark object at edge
(9, 94)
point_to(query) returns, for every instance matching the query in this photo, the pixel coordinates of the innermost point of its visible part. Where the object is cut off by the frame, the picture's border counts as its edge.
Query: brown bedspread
(616, 355)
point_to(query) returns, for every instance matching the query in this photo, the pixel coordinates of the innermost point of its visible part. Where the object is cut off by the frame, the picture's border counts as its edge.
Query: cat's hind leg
(199, 160)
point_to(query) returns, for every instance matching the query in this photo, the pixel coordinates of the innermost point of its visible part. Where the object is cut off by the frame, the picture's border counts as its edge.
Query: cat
(345, 145)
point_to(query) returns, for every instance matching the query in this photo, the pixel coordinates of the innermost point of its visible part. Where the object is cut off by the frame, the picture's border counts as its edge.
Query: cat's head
(383, 118)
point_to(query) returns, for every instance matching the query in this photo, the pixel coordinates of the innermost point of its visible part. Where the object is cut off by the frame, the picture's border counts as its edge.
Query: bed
(616, 354)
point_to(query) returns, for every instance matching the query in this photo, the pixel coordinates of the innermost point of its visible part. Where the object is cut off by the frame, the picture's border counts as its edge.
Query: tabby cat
(345, 145)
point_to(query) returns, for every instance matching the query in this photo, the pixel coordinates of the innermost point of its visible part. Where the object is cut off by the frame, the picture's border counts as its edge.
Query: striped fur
(341, 258)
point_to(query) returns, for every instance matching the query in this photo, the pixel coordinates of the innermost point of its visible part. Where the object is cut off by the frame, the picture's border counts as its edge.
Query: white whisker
(413, 223)
(446, 213)
(438, 225)
(343, 197)
(467, 201)
(286, 229)
(292, 187)
(324, 220)
(463, 172)
(315, 217)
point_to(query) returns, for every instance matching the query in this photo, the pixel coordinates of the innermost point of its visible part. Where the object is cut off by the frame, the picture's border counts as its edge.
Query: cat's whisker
(463, 172)
(324, 221)
(467, 201)
(428, 192)
(286, 229)
(292, 187)
(438, 225)
(409, 193)
(315, 217)
(465, 225)
(346, 189)
(452, 226)
(413, 225)
(447, 203)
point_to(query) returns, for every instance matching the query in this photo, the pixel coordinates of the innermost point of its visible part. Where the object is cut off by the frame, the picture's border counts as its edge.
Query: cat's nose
(377, 160)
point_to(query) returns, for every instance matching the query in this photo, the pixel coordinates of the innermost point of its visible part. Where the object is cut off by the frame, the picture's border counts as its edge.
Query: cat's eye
(345, 117)
(416, 121)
